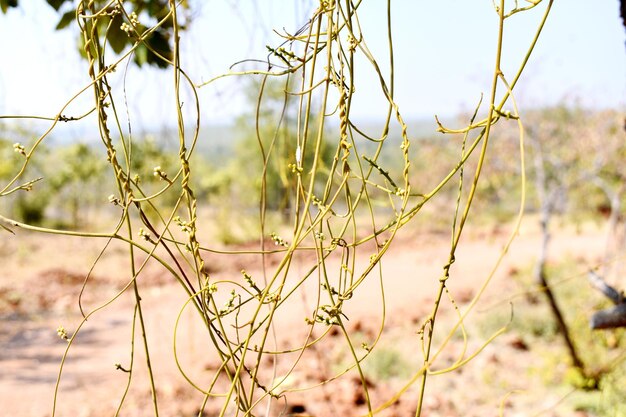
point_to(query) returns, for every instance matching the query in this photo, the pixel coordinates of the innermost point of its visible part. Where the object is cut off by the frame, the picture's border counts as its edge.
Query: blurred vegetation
(574, 163)
(387, 362)
(586, 150)
(534, 328)
(148, 22)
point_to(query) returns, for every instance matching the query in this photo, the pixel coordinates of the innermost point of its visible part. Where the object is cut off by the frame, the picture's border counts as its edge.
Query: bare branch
(612, 317)
(611, 293)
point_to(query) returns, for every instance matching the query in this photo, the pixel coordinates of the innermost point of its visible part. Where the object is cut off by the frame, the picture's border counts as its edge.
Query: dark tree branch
(612, 317)
(611, 293)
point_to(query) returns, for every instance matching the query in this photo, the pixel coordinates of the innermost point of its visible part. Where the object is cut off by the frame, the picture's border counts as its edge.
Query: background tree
(148, 26)
(26, 204)
(555, 173)
(77, 181)
(270, 146)
(569, 151)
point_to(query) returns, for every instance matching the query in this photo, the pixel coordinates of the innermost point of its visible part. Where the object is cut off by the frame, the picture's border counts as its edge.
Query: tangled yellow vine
(343, 213)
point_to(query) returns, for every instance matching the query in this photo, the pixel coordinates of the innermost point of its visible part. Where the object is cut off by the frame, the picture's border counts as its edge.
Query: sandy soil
(41, 277)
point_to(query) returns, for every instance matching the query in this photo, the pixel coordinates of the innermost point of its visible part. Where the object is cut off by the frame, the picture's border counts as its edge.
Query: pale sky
(444, 54)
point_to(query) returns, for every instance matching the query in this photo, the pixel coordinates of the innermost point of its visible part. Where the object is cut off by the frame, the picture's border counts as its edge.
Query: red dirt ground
(41, 276)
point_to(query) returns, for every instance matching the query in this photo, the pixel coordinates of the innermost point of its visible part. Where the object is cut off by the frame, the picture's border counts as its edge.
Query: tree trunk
(549, 193)
(542, 280)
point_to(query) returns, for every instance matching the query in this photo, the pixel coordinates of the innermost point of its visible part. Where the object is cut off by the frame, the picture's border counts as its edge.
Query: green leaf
(66, 19)
(118, 39)
(5, 4)
(159, 45)
(141, 55)
(158, 8)
(80, 44)
(56, 4)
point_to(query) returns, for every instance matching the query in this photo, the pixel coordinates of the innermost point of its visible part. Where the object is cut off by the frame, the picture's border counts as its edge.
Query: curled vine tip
(119, 367)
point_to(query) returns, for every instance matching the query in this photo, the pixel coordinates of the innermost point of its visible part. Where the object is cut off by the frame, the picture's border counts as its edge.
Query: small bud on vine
(62, 333)
(278, 241)
(19, 148)
(114, 200)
